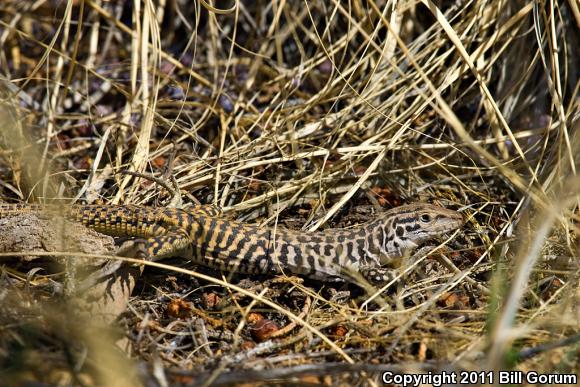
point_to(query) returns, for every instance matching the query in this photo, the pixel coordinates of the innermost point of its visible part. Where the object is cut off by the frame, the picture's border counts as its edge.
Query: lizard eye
(425, 218)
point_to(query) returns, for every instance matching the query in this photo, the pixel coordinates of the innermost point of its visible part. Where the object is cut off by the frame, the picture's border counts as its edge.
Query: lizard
(201, 235)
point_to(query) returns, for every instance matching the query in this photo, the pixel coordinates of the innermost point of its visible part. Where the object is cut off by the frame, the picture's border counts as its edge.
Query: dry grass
(309, 115)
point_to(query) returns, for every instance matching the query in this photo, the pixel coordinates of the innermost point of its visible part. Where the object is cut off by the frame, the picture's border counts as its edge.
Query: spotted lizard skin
(201, 235)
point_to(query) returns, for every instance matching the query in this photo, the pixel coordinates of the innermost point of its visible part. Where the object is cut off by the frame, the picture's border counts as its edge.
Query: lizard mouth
(457, 221)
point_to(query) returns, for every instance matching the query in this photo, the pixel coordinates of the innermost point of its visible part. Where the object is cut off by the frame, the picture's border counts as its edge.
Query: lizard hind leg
(204, 209)
(167, 245)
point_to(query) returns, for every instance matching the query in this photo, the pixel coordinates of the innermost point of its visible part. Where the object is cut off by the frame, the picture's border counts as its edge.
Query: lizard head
(421, 222)
(404, 228)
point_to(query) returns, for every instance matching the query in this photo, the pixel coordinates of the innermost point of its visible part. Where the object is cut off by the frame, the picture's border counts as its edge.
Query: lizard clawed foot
(291, 279)
(378, 276)
(134, 248)
(339, 296)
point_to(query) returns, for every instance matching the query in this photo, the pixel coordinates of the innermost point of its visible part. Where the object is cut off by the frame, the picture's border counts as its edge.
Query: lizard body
(205, 238)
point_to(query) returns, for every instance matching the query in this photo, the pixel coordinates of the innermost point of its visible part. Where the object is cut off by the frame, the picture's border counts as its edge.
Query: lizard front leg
(378, 276)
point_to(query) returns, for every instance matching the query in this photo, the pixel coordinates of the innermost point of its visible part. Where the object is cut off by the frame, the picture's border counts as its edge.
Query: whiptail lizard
(200, 235)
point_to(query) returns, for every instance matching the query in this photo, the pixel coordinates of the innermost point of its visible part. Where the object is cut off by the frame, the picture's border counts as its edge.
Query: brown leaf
(179, 308)
(261, 330)
(210, 300)
(339, 331)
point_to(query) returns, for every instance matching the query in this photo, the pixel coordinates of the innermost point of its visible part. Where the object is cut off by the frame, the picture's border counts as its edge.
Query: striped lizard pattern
(201, 235)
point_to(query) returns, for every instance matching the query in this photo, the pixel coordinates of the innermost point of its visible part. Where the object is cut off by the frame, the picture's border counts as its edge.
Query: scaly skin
(200, 235)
